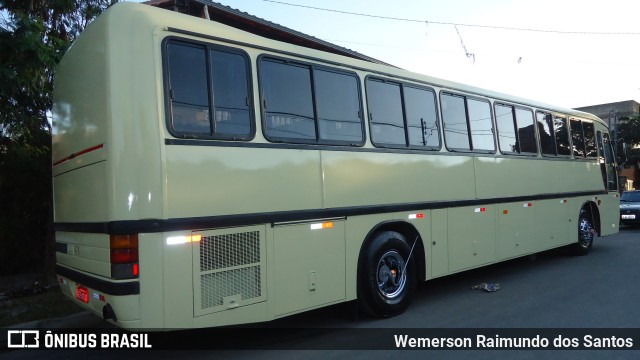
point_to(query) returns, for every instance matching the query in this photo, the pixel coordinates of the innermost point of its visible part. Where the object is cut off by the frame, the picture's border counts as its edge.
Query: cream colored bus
(206, 176)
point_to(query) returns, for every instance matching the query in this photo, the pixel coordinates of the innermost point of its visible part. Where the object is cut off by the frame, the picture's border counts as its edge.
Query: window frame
(465, 98)
(168, 106)
(312, 67)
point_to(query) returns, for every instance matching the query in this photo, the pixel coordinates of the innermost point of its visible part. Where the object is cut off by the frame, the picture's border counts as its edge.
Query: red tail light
(124, 256)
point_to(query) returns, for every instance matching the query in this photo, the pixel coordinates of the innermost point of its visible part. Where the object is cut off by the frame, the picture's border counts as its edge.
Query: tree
(629, 129)
(34, 34)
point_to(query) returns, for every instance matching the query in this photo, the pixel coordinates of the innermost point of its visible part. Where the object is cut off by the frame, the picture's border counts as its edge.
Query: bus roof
(255, 25)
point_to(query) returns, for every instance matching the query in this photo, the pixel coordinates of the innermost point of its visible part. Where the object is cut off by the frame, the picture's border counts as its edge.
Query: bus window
(230, 95)
(422, 121)
(577, 138)
(338, 106)
(481, 125)
(526, 131)
(467, 123)
(402, 115)
(188, 86)
(547, 138)
(454, 122)
(385, 112)
(305, 104)
(506, 129)
(590, 140)
(562, 136)
(516, 133)
(288, 102)
(196, 93)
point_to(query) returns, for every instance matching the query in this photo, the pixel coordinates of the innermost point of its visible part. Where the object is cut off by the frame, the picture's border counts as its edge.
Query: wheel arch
(592, 209)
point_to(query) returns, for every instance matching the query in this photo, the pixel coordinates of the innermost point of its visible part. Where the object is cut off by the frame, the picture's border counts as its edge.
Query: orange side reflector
(505, 212)
(324, 225)
(174, 240)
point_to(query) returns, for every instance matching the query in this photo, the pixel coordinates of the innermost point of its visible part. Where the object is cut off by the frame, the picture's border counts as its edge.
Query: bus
(205, 176)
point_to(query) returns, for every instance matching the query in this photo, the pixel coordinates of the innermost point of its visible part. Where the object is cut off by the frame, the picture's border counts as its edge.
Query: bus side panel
(152, 283)
(362, 178)
(177, 275)
(609, 213)
(81, 195)
(565, 176)
(308, 266)
(80, 97)
(438, 261)
(516, 230)
(552, 223)
(85, 252)
(209, 181)
(472, 236)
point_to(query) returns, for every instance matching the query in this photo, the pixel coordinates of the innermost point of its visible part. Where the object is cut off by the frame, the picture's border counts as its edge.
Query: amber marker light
(176, 240)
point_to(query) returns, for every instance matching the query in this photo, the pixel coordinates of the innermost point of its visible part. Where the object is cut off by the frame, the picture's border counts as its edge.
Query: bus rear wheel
(387, 275)
(586, 234)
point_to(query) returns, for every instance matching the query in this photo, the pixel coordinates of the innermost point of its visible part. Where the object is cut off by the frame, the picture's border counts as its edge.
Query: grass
(47, 305)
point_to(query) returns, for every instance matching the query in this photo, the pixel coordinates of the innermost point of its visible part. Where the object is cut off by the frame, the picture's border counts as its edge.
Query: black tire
(586, 234)
(387, 275)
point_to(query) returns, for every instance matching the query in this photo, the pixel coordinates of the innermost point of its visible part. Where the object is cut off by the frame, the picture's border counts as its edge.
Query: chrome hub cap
(390, 276)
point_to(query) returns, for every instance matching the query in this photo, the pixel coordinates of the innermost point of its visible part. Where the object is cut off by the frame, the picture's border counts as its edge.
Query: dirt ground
(29, 297)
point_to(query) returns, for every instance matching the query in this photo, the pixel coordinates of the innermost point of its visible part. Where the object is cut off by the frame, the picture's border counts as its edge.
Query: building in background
(622, 108)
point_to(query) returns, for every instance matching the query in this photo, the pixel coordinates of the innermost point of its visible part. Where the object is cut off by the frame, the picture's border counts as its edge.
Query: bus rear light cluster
(124, 256)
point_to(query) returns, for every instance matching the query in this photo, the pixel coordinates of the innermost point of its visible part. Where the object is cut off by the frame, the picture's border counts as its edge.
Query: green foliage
(629, 129)
(34, 34)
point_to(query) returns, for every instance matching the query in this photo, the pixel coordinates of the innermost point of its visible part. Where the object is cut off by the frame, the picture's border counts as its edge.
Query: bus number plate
(629, 216)
(82, 294)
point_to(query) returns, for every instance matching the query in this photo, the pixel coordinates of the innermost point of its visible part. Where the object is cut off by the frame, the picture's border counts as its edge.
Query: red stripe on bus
(85, 151)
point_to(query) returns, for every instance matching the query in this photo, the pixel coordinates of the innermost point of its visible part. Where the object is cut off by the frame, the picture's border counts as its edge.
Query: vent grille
(230, 269)
(217, 286)
(224, 251)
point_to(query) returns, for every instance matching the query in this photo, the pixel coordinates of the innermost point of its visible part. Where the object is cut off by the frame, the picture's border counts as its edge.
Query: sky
(586, 67)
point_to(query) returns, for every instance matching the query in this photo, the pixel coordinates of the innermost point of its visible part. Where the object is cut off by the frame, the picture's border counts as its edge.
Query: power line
(452, 23)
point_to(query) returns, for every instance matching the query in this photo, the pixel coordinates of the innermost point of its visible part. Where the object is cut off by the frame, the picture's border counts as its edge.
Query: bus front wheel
(388, 275)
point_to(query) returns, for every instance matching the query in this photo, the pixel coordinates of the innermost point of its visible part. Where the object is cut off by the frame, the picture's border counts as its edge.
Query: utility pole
(613, 127)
